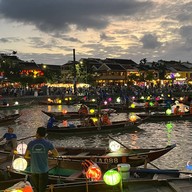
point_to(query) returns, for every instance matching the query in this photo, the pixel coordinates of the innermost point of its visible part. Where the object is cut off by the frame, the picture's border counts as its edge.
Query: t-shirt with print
(39, 155)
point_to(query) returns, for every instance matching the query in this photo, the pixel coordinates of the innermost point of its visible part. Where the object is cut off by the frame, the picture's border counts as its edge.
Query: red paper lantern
(94, 173)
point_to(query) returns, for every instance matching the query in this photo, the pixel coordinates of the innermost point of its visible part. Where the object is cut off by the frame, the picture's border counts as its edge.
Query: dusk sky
(47, 31)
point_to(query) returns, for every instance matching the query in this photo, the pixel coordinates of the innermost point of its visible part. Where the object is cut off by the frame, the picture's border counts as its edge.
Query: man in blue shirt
(51, 122)
(11, 140)
(37, 151)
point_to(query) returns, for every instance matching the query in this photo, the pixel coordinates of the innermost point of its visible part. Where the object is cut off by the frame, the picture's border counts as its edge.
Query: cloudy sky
(47, 31)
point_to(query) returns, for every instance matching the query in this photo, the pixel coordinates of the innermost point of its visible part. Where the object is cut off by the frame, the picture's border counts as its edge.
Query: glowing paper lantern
(94, 173)
(59, 101)
(49, 100)
(142, 97)
(66, 99)
(133, 117)
(19, 164)
(151, 104)
(16, 103)
(70, 98)
(168, 112)
(112, 177)
(94, 119)
(189, 165)
(148, 98)
(64, 111)
(114, 146)
(21, 148)
(27, 188)
(92, 111)
(110, 99)
(132, 105)
(105, 102)
(118, 99)
(93, 100)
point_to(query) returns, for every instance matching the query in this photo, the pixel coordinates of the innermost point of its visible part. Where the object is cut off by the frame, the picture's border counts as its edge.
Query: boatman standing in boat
(83, 112)
(37, 151)
(11, 140)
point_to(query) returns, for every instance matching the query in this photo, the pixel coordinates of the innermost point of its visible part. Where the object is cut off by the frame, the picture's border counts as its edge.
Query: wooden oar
(25, 138)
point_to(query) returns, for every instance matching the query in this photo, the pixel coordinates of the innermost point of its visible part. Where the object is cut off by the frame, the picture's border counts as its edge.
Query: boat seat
(83, 154)
(74, 176)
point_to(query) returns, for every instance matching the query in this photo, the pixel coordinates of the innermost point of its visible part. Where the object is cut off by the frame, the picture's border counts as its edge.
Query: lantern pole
(75, 74)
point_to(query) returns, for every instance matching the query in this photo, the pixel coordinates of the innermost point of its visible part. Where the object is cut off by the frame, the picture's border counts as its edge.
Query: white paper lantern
(19, 164)
(21, 148)
(114, 146)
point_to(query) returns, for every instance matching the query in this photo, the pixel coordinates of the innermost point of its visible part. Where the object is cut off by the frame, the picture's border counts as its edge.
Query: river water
(152, 135)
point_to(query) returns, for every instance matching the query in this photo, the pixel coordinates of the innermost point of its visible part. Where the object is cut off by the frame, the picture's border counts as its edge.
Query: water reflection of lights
(134, 139)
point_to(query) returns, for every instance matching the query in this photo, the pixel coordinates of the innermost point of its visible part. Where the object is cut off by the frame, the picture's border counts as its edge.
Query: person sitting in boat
(105, 119)
(90, 122)
(177, 110)
(11, 140)
(83, 110)
(51, 122)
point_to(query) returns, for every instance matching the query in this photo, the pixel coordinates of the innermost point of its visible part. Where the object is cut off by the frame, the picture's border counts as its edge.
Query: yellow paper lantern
(19, 164)
(92, 111)
(132, 105)
(133, 117)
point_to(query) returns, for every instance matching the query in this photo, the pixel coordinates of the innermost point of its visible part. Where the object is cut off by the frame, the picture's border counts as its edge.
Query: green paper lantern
(168, 112)
(151, 104)
(112, 177)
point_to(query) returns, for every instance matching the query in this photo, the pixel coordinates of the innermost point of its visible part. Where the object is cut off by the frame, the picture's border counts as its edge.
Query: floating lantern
(151, 104)
(112, 177)
(94, 119)
(110, 99)
(92, 111)
(132, 117)
(64, 111)
(105, 102)
(16, 103)
(19, 164)
(189, 165)
(118, 99)
(94, 173)
(148, 98)
(168, 112)
(132, 105)
(49, 100)
(114, 146)
(21, 148)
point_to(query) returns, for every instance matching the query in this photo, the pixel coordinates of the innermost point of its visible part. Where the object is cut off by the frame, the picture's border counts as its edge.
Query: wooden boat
(105, 159)
(75, 115)
(75, 157)
(71, 178)
(164, 117)
(127, 126)
(8, 118)
(123, 108)
(15, 106)
(139, 185)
